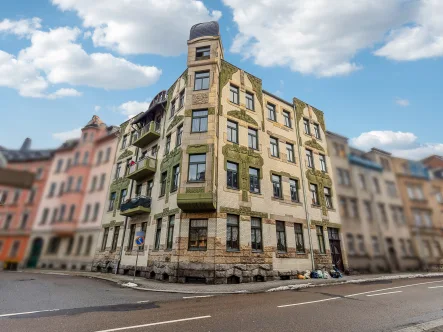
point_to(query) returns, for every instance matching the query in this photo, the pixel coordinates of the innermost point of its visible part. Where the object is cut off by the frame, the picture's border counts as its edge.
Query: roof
(330, 133)
(160, 99)
(360, 161)
(26, 154)
(69, 144)
(381, 151)
(204, 29)
(278, 98)
(95, 122)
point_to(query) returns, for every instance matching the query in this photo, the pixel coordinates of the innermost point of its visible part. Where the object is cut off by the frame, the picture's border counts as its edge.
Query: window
(232, 175)
(144, 227)
(233, 132)
(133, 136)
(8, 221)
(51, 189)
(87, 211)
(281, 236)
(314, 194)
(290, 152)
(96, 211)
(417, 217)
(362, 180)
(233, 94)
(154, 151)
(293, 187)
(317, 131)
(168, 144)
(179, 136)
(350, 242)
(197, 167)
(111, 201)
(24, 221)
(274, 147)
(254, 180)
(276, 185)
(271, 112)
(323, 165)
(198, 234)
(108, 154)
(102, 181)
(149, 188)
(354, 208)
(328, 197)
(138, 189)
(202, 53)
(385, 164)
(309, 159)
(306, 126)
(117, 171)
(419, 193)
(124, 141)
(368, 209)
(44, 216)
(93, 183)
(14, 249)
(383, 214)
(403, 247)
(175, 177)
(287, 119)
(201, 81)
(249, 101)
(86, 158)
(375, 245)
(88, 245)
(105, 238)
(31, 196)
(252, 138)
(62, 212)
(172, 109)
(54, 216)
(361, 244)
(321, 239)
(53, 245)
(71, 212)
(158, 232)
(59, 166)
(79, 183)
(131, 237)
(16, 196)
(127, 167)
(163, 183)
(256, 234)
(376, 185)
(76, 158)
(68, 165)
(115, 238)
(39, 174)
(79, 245)
(427, 218)
(85, 136)
(344, 177)
(299, 240)
(181, 100)
(232, 233)
(70, 245)
(170, 239)
(199, 121)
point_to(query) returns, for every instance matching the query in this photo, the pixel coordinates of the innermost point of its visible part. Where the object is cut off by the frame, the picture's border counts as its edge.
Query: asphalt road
(381, 306)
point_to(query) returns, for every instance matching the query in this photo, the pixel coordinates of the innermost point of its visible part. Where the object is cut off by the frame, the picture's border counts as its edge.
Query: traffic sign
(139, 241)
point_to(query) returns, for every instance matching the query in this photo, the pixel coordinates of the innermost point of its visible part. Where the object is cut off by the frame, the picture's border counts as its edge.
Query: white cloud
(64, 93)
(400, 144)
(97, 108)
(421, 40)
(65, 135)
(142, 26)
(21, 28)
(132, 108)
(402, 102)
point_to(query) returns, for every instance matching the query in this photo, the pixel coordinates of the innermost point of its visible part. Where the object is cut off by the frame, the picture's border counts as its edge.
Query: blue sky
(375, 70)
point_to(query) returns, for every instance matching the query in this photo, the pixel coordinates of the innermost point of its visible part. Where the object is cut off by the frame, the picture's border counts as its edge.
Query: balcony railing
(142, 168)
(147, 134)
(136, 205)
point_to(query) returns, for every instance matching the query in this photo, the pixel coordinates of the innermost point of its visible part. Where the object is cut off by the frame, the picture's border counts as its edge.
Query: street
(66, 303)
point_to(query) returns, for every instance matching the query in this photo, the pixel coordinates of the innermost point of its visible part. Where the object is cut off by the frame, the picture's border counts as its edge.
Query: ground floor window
(320, 239)
(256, 235)
(198, 234)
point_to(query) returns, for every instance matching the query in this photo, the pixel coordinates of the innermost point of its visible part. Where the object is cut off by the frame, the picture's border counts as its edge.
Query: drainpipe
(308, 216)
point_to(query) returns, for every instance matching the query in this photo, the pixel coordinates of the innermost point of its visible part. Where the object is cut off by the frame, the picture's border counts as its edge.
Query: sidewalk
(144, 284)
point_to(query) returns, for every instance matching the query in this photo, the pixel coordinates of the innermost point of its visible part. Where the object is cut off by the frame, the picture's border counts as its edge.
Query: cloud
(400, 144)
(64, 93)
(97, 108)
(54, 57)
(402, 102)
(421, 40)
(139, 27)
(66, 135)
(132, 108)
(21, 28)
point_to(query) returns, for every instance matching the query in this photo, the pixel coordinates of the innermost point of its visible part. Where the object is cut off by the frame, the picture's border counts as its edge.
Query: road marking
(197, 296)
(153, 324)
(143, 301)
(399, 291)
(423, 326)
(435, 287)
(295, 304)
(27, 313)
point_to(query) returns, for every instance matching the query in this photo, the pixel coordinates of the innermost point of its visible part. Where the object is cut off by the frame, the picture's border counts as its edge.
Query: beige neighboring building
(376, 232)
(231, 183)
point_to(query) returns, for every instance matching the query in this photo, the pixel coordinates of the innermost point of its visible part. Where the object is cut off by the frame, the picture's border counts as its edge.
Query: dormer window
(202, 53)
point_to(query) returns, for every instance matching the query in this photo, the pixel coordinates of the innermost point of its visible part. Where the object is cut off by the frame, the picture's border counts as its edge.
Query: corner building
(223, 178)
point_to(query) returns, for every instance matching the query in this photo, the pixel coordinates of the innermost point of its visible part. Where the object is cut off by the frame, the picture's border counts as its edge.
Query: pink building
(68, 219)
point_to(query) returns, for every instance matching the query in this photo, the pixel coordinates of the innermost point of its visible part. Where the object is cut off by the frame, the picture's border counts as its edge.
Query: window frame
(234, 94)
(313, 189)
(170, 235)
(274, 146)
(163, 180)
(321, 239)
(249, 101)
(179, 136)
(200, 118)
(175, 178)
(323, 164)
(282, 246)
(252, 138)
(115, 236)
(297, 198)
(307, 126)
(287, 119)
(309, 159)
(299, 238)
(202, 80)
(232, 176)
(257, 180)
(158, 233)
(276, 185)
(197, 168)
(230, 231)
(327, 192)
(198, 228)
(317, 132)
(254, 230)
(272, 113)
(203, 50)
(290, 152)
(232, 131)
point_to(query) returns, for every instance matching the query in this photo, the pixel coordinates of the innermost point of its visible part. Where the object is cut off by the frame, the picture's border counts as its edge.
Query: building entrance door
(335, 245)
(36, 250)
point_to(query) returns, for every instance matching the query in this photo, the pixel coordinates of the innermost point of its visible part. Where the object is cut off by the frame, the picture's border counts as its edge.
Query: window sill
(233, 250)
(257, 251)
(316, 206)
(259, 194)
(232, 188)
(201, 89)
(196, 249)
(277, 198)
(196, 181)
(199, 132)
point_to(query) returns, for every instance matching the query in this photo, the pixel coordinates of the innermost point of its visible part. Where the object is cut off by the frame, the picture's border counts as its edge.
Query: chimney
(26, 144)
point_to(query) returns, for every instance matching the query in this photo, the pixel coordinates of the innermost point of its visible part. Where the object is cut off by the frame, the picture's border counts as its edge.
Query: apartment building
(65, 233)
(229, 182)
(19, 203)
(376, 233)
(422, 209)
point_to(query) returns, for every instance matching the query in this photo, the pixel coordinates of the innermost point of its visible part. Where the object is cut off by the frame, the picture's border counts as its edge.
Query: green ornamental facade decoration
(322, 180)
(195, 190)
(244, 211)
(173, 158)
(315, 145)
(245, 158)
(320, 118)
(197, 148)
(299, 108)
(211, 111)
(117, 186)
(123, 129)
(226, 72)
(125, 154)
(175, 121)
(257, 87)
(243, 116)
(166, 212)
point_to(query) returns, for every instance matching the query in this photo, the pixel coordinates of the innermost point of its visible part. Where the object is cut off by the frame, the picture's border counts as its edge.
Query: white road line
(27, 313)
(143, 301)
(153, 324)
(295, 304)
(435, 287)
(399, 291)
(197, 296)
(423, 326)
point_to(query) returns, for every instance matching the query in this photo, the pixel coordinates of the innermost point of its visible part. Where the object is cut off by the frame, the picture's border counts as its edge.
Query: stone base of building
(65, 265)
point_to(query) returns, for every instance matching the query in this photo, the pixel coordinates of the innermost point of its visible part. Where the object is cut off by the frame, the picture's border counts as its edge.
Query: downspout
(308, 216)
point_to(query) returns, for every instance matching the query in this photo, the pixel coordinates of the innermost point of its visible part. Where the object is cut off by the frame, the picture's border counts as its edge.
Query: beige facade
(376, 232)
(235, 196)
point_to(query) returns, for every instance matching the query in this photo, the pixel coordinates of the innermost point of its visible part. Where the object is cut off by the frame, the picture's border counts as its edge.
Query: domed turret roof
(204, 29)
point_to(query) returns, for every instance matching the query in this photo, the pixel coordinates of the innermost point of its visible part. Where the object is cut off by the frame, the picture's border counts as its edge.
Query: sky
(373, 67)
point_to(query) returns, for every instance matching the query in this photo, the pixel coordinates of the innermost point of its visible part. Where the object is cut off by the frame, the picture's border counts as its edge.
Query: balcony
(195, 202)
(64, 228)
(142, 169)
(147, 134)
(135, 206)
